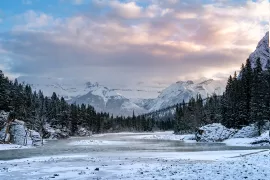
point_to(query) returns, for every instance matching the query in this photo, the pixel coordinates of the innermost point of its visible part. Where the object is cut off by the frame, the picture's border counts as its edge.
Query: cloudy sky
(129, 40)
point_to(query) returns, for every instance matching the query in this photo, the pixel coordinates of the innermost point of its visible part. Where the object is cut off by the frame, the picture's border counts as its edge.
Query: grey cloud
(92, 46)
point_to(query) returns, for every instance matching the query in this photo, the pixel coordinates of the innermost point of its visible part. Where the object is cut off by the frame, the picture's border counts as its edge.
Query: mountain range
(124, 101)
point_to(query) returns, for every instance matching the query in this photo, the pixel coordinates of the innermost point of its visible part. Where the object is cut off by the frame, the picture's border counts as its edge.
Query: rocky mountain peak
(261, 51)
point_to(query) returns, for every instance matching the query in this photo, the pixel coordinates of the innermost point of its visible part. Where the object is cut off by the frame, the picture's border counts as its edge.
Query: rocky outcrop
(55, 132)
(84, 132)
(15, 131)
(261, 51)
(247, 136)
(215, 132)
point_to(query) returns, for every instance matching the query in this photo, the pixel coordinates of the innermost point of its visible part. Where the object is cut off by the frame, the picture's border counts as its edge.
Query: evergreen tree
(257, 97)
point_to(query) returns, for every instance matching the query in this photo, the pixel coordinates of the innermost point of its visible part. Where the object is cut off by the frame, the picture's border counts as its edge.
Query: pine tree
(257, 97)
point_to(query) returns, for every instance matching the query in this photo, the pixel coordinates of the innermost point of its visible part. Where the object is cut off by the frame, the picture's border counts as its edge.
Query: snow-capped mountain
(184, 90)
(108, 100)
(80, 91)
(67, 88)
(123, 101)
(261, 51)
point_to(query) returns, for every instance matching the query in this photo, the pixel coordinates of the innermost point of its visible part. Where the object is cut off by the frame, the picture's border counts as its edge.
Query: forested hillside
(245, 101)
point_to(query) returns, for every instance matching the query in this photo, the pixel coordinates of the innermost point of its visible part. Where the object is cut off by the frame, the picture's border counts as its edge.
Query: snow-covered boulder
(247, 132)
(36, 138)
(250, 131)
(215, 132)
(55, 133)
(84, 132)
(263, 139)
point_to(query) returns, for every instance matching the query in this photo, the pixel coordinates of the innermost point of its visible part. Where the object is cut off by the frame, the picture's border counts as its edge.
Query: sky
(129, 41)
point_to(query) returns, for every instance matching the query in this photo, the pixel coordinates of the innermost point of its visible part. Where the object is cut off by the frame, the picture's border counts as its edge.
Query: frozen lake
(118, 143)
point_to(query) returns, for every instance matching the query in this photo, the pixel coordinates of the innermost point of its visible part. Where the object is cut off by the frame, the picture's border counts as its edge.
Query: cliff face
(261, 51)
(16, 132)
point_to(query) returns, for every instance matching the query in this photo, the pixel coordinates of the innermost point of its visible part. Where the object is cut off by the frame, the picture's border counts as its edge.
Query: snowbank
(213, 133)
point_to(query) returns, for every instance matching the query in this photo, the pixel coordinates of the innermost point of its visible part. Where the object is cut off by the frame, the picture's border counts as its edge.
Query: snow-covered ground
(136, 156)
(229, 165)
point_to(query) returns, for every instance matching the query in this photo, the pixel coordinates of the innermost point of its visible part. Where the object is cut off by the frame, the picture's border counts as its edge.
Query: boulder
(263, 139)
(36, 138)
(55, 133)
(247, 132)
(19, 133)
(84, 132)
(215, 132)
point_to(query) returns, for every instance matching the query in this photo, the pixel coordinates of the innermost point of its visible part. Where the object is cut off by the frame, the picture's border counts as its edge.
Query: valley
(134, 90)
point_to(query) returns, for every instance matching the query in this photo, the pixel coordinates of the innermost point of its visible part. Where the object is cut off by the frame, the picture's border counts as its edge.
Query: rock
(251, 131)
(84, 132)
(263, 139)
(55, 132)
(20, 134)
(3, 117)
(3, 127)
(97, 169)
(16, 132)
(36, 138)
(247, 132)
(213, 133)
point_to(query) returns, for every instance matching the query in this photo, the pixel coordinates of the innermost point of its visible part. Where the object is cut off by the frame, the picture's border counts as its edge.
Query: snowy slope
(261, 51)
(184, 90)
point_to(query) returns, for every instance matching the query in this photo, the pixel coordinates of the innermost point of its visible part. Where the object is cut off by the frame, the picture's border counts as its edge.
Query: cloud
(126, 10)
(163, 40)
